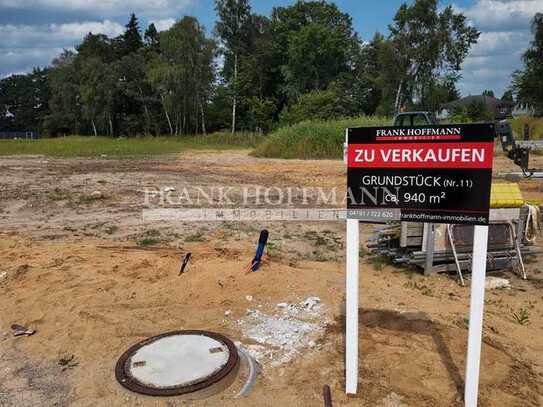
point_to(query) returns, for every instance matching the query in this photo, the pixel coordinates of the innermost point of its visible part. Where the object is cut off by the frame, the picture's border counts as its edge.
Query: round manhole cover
(176, 363)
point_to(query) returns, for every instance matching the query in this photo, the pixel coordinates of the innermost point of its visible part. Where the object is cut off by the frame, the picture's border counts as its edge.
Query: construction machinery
(515, 149)
(518, 150)
(446, 248)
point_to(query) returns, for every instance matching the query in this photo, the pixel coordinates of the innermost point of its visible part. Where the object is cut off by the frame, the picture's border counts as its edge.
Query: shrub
(321, 104)
(476, 111)
(536, 126)
(312, 139)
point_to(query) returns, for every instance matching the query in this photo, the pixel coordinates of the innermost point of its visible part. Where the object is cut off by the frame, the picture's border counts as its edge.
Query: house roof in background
(487, 100)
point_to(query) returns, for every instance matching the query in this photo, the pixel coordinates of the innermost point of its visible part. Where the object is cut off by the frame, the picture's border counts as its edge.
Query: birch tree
(232, 28)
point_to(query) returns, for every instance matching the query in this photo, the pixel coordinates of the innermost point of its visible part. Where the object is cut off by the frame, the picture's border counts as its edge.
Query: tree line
(528, 82)
(253, 72)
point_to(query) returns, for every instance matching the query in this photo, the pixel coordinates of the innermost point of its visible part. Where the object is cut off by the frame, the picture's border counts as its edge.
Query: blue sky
(32, 32)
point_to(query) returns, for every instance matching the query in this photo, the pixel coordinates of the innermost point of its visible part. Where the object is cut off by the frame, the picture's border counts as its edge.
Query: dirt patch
(92, 279)
(424, 361)
(31, 382)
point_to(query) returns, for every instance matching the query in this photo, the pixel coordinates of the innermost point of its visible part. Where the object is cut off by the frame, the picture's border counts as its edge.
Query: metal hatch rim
(129, 382)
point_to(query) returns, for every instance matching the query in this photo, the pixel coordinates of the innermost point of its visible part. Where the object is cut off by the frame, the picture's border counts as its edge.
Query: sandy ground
(74, 268)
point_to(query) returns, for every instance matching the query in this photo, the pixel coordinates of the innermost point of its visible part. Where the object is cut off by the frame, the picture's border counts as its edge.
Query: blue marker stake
(262, 241)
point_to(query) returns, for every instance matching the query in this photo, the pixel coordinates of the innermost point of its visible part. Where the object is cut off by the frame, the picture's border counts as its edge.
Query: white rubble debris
(227, 313)
(284, 335)
(311, 303)
(3, 275)
(249, 298)
(169, 189)
(492, 283)
(96, 195)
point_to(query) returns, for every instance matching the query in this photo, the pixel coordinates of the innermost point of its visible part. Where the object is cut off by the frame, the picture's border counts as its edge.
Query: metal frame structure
(519, 263)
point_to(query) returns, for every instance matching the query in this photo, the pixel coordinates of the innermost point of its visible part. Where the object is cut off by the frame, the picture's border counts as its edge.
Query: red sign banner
(430, 174)
(406, 155)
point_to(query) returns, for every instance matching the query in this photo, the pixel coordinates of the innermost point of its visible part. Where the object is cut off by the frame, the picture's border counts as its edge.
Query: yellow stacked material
(506, 196)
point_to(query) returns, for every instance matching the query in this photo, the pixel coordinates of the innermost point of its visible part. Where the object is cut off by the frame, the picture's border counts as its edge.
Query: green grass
(89, 199)
(535, 123)
(148, 241)
(58, 195)
(313, 139)
(149, 238)
(522, 316)
(88, 146)
(423, 288)
(379, 262)
(196, 237)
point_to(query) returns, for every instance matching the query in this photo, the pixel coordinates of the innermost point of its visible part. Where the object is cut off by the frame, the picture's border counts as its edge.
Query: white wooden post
(478, 275)
(351, 336)
(430, 235)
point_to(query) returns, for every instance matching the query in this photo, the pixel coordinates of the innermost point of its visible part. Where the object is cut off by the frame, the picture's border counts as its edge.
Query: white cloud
(54, 35)
(505, 35)
(23, 47)
(164, 24)
(501, 44)
(500, 15)
(104, 8)
(77, 30)
(22, 60)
